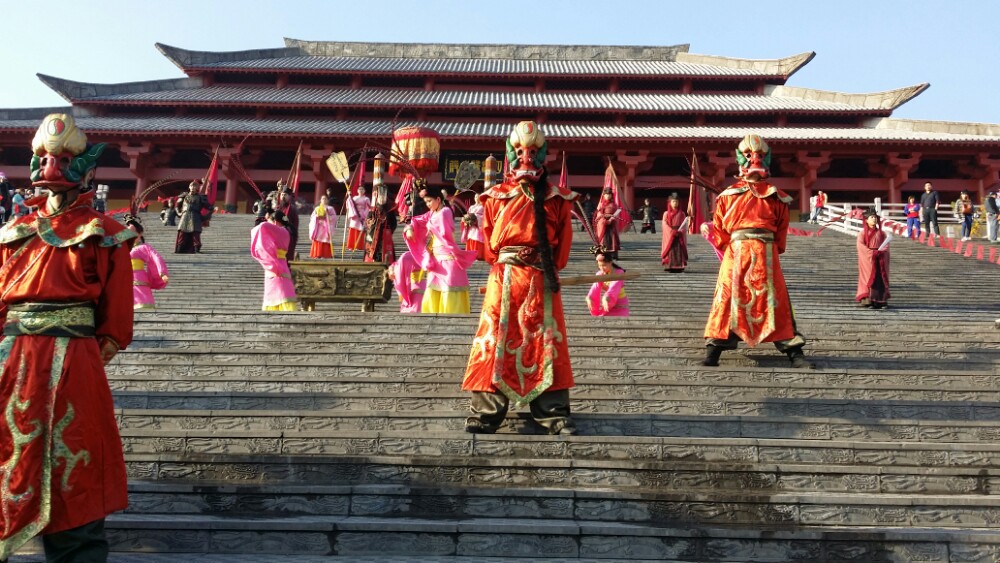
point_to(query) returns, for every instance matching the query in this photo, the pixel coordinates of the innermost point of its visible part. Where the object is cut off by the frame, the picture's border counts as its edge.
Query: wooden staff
(584, 280)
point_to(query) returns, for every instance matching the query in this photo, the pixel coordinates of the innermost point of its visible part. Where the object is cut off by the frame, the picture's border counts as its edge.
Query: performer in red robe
(66, 305)
(673, 251)
(873, 263)
(750, 226)
(520, 351)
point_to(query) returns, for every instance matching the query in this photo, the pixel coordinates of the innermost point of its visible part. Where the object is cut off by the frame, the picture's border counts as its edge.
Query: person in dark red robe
(66, 307)
(873, 263)
(520, 352)
(673, 251)
(606, 225)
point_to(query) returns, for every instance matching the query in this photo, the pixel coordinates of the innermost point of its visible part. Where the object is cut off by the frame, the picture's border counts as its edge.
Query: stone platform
(304, 436)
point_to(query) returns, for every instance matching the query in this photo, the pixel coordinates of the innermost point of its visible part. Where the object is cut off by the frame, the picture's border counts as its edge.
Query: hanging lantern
(420, 146)
(489, 171)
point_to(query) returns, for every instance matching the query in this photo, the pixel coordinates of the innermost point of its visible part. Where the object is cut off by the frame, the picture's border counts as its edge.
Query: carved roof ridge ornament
(785, 67)
(71, 90)
(487, 50)
(888, 99)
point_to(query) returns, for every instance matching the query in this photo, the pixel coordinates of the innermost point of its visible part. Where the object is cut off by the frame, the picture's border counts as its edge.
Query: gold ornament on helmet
(58, 134)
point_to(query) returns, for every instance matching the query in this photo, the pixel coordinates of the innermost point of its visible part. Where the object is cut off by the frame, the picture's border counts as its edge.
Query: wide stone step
(262, 466)
(764, 441)
(624, 396)
(132, 557)
(549, 539)
(676, 343)
(392, 356)
(739, 401)
(623, 383)
(712, 508)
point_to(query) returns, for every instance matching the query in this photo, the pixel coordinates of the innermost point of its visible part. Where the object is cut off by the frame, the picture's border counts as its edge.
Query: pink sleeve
(611, 295)
(264, 250)
(157, 269)
(594, 300)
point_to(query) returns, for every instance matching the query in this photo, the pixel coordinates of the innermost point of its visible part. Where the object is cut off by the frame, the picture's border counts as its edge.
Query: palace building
(646, 110)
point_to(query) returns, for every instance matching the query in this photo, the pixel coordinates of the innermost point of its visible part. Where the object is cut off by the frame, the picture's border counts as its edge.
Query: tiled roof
(509, 67)
(484, 60)
(197, 126)
(510, 101)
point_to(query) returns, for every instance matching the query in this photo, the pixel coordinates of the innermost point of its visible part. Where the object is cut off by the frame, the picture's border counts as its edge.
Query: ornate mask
(526, 150)
(754, 158)
(61, 158)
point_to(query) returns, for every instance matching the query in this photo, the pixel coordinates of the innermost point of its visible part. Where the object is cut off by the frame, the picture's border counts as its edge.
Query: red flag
(692, 210)
(293, 175)
(404, 190)
(212, 179)
(359, 177)
(563, 175)
(611, 181)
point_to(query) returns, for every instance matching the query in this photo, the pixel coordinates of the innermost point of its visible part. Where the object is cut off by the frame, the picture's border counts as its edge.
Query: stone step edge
(547, 527)
(479, 462)
(34, 554)
(651, 494)
(599, 391)
(732, 369)
(504, 437)
(525, 416)
(841, 353)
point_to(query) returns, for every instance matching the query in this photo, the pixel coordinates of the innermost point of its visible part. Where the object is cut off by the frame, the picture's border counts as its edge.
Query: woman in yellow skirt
(433, 240)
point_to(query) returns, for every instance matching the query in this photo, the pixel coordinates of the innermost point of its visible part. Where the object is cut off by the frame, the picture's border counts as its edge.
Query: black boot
(475, 426)
(799, 360)
(712, 355)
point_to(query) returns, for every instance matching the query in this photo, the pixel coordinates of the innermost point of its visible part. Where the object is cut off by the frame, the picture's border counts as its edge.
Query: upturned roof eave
(185, 59)
(889, 99)
(784, 67)
(73, 91)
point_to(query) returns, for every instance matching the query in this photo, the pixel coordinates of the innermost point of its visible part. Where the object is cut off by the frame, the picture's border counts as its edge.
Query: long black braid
(542, 233)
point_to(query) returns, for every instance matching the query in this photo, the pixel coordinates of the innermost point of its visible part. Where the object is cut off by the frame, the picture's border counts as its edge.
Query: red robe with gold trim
(61, 463)
(525, 352)
(751, 299)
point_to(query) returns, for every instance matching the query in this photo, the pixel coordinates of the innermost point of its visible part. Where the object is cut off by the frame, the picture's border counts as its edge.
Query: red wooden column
(317, 160)
(987, 174)
(807, 166)
(138, 164)
(231, 197)
(898, 172)
(633, 161)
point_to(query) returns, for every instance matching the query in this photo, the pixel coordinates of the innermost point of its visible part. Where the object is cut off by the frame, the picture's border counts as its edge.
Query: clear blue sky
(861, 46)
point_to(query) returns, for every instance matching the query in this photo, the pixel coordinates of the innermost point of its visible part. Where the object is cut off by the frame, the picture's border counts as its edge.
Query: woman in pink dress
(269, 246)
(322, 225)
(149, 271)
(608, 299)
(472, 233)
(409, 281)
(433, 245)
(357, 213)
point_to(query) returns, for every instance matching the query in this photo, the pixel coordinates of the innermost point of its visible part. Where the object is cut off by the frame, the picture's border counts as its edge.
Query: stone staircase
(301, 436)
